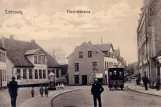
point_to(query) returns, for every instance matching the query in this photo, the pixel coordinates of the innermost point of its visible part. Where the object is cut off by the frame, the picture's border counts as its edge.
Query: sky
(49, 24)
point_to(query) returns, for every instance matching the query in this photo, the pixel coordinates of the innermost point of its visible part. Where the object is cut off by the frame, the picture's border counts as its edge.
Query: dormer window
(80, 54)
(39, 59)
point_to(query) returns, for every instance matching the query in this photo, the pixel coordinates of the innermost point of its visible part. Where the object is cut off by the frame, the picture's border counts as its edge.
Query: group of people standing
(42, 91)
(146, 81)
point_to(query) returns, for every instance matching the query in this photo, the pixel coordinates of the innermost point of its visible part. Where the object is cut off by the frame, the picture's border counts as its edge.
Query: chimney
(11, 37)
(33, 41)
(89, 42)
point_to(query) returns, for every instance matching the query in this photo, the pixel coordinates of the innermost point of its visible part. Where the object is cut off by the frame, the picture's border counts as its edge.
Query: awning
(51, 73)
(99, 75)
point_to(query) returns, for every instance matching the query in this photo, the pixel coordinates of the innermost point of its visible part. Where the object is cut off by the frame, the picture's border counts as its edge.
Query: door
(84, 79)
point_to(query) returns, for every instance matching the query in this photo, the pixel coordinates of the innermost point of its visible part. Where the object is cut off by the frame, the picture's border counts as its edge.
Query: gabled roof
(31, 52)
(98, 47)
(104, 47)
(16, 50)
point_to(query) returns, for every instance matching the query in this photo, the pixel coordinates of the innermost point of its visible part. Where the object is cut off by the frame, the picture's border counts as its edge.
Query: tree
(59, 55)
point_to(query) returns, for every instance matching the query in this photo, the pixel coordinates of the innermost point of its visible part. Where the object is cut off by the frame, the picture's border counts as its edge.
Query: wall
(9, 69)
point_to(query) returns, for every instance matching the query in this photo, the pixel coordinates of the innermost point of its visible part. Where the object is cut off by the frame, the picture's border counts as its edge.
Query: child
(41, 91)
(32, 91)
(46, 92)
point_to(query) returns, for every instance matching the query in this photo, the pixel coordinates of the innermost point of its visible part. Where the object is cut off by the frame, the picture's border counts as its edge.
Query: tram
(116, 78)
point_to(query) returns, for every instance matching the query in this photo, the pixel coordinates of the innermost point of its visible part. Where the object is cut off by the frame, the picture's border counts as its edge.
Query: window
(5, 76)
(76, 66)
(89, 54)
(18, 74)
(57, 73)
(3, 57)
(94, 66)
(39, 59)
(76, 77)
(36, 74)
(105, 64)
(35, 59)
(49, 71)
(43, 59)
(44, 74)
(30, 73)
(80, 54)
(24, 74)
(40, 74)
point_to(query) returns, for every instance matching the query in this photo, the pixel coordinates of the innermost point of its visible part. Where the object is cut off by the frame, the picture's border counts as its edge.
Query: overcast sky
(49, 24)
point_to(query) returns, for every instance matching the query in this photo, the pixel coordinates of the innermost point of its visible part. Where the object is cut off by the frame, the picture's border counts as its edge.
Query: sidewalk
(39, 101)
(141, 89)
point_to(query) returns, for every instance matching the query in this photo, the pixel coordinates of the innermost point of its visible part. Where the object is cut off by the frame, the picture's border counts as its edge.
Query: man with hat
(96, 91)
(13, 88)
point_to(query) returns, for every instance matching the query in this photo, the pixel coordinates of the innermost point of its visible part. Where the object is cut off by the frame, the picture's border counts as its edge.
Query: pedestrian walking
(41, 91)
(46, 92)
(158, 83)
(96, 91)
(13, 91)
(32, 92)
(145, 82)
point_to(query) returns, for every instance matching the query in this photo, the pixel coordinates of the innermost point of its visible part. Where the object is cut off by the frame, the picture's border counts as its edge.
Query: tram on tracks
(116, 77)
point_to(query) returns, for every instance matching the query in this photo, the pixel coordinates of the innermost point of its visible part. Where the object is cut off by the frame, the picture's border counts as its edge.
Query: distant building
(3, 74)
(28, 62)
(89, 60)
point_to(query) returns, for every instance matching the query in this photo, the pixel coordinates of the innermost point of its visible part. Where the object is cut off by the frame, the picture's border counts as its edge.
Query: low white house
(89, 60)
(28, 62)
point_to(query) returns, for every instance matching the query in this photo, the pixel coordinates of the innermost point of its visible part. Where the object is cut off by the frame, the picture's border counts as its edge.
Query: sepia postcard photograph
(80, 53)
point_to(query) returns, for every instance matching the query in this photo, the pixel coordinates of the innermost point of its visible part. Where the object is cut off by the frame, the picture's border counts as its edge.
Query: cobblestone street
(115, 98)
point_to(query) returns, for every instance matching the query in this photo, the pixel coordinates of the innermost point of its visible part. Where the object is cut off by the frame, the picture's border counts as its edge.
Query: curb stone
(51, 104)
(143, 92)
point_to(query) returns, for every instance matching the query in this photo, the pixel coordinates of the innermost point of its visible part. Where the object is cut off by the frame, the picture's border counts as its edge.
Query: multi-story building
(149, 38)
(3, 74)
(28, 62)
(88, 61)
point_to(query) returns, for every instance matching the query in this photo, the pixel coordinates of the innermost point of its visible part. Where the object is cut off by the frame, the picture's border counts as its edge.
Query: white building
(28, 62)
(3, 74)
(88, 60)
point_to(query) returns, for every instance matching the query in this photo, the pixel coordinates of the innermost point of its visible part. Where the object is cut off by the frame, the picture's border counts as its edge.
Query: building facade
(148, 38)
(3, 74)
(28, 62)
(88, 61)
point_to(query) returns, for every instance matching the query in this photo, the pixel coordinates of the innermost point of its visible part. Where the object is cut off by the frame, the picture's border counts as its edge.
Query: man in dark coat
(13, 91)
(146, 82)
(96, 91)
